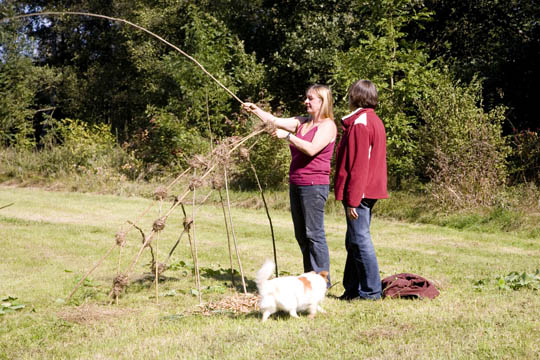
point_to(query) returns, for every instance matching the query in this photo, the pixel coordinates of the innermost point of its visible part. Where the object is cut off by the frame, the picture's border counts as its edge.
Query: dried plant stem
(156, 272)
(156, 263)
(178, 178)
(60, 13)
(233, 234)
(89, 272)
(119, 263)
(267, 214)
(5, 206)
(205, 198)
(174, 246)
(195, 259)
(190, 243)
(148, 239)
(228, 237)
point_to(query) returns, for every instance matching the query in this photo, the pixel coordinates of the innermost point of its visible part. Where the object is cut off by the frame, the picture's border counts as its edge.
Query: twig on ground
(5, 206)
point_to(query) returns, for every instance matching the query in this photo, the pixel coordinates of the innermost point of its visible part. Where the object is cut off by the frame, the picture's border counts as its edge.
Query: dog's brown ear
(324, 275)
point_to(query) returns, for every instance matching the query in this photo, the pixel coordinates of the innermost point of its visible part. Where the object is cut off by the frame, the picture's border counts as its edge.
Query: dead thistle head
(160, 269)
(195, 183)
(217, 182)
(199, 162)
(119, 284)
(244, 153)
(187, 223)
(120, 238)
(160, 193)
(221, 153)
(268, 127)
(159, 224)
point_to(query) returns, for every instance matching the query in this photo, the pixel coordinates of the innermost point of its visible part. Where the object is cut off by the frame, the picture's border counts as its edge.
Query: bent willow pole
(77, 13)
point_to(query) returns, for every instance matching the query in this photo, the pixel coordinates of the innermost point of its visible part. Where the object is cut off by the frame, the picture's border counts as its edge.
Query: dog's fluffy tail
(264, 273)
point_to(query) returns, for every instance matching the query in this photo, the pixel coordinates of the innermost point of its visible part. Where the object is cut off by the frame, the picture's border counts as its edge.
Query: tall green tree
(21, 84)
(400, 69)
(296, 40)
(176, 84)
(91, 56)
(498, 40)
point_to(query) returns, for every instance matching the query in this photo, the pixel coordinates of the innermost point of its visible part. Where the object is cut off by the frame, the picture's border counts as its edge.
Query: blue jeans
(361, 277)
(307, 210)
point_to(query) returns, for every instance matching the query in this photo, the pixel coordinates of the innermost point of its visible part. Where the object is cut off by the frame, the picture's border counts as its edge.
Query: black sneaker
(348, 297)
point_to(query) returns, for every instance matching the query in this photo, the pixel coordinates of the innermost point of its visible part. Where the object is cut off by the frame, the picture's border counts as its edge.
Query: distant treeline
(456, 80)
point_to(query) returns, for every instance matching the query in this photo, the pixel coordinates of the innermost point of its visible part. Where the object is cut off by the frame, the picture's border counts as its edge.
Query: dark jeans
(361, 277)
(307, 209)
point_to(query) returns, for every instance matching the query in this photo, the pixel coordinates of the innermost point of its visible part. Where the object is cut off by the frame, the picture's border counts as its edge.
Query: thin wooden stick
(228, 237)
(89, 272)
(5, 206)
(174, 247)
(197, 274)
(233, 234)
(156, 262)
(267, 214)
(190, 242)
(147, 242)
(118, 269)
(61, 13)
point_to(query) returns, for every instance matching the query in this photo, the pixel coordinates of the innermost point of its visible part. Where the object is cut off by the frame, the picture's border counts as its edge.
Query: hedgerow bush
(524, 160)
(166, 141)
(71, 148)
(270, 158)
(462, 146)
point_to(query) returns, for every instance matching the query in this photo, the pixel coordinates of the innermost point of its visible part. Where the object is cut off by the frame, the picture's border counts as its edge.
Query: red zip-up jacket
(361, 158)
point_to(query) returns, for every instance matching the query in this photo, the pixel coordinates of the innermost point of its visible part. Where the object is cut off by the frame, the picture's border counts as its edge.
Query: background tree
(400, 69)
(499, 41)
(163, 108)
(21, 84)
(462, 145)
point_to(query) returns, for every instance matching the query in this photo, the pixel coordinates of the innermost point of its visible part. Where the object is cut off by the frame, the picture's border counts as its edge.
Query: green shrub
(73, 149)
(461, 145)
(271, 159)
(167, 142)
(524, 160)
(401, 71)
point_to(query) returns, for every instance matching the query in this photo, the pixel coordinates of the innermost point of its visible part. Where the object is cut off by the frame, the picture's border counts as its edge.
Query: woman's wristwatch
(288, 137)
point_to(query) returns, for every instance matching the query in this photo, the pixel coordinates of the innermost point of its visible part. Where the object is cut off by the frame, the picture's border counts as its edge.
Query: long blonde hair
(324, 93)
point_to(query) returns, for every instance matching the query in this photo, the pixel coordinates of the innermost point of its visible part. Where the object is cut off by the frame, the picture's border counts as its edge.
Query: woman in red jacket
(360, 180)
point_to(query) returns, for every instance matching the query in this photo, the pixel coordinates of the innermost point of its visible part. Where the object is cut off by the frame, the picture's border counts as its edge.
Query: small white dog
(290, 293)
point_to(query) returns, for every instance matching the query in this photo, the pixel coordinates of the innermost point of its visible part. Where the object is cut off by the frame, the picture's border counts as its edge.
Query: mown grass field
(51, 239)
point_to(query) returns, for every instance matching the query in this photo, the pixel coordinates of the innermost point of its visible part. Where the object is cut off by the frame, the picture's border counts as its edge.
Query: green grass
(51, 239)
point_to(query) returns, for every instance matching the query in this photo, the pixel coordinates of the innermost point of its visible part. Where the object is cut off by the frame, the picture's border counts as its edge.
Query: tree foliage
(21, 84)
(497, 40)
(400, 69)
(163, 108)
(172, 82)
(462, 145)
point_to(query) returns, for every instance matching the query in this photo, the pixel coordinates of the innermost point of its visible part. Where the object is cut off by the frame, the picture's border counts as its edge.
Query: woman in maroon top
(311, 140)
(360, 180)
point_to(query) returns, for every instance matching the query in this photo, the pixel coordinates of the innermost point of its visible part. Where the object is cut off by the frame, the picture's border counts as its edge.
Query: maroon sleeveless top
(310, 170)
